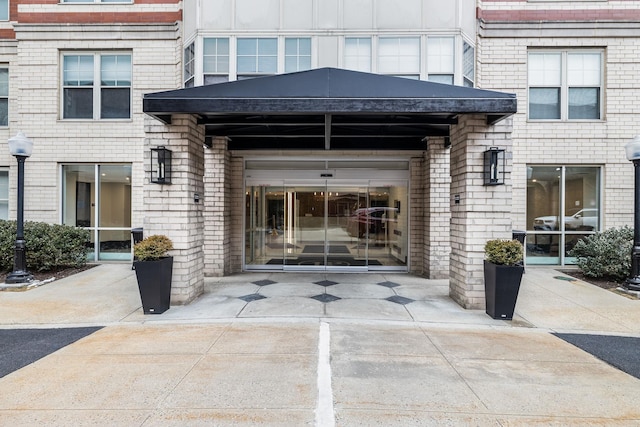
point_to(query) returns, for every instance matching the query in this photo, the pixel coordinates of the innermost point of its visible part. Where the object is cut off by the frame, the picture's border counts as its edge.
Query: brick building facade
(77, 73)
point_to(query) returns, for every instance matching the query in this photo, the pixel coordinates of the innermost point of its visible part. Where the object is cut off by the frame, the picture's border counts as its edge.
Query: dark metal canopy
(329, 108)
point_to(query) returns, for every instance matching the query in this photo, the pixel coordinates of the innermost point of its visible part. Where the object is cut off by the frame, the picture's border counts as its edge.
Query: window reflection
(563, 206)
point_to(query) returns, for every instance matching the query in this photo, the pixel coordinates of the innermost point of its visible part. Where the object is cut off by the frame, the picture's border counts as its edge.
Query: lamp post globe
(21, 147)
(632, 150)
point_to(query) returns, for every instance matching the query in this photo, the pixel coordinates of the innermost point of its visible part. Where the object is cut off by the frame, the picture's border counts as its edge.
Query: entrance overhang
(329, 109)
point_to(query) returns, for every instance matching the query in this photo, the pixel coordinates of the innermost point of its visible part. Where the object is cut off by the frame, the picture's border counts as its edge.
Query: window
(468, 64)
(565, 85)
(4, 96)
(97, 86)
(440, 59)
(4, 10)
(399, 56)
(297, 54)
(189, 65)
(563, 206)
(4, 193)
(357, 54)
(215, 60)
(257, 57)
(97, 1)
(98, 197)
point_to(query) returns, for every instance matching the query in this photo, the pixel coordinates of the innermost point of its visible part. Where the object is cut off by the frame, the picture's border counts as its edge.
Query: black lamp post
(633, 154)
(21, 147)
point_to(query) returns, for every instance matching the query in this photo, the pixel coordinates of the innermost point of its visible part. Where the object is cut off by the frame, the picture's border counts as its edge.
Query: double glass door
(324, 225)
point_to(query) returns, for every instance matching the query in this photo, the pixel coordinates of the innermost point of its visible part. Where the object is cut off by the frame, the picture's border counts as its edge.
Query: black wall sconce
(160, 165)
(494, 166)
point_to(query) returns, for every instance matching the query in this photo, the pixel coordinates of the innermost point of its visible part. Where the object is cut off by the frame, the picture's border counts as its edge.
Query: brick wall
(171, 209)
(503, 66)
(34, 107)
(483, 213)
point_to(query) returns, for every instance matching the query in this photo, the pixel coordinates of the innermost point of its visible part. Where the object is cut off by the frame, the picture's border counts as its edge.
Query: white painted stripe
(324, 411)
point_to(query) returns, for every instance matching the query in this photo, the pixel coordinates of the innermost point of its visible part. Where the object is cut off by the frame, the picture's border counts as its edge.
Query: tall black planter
(154, 283)
(501, 286)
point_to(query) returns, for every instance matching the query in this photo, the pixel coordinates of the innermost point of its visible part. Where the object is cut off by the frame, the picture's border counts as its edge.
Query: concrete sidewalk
(288, 359)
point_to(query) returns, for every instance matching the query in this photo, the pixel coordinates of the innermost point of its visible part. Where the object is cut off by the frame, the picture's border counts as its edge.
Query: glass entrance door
(324, 225)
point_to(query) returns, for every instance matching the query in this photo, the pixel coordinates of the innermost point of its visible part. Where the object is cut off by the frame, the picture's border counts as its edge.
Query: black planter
(501, 286)
(154, 283)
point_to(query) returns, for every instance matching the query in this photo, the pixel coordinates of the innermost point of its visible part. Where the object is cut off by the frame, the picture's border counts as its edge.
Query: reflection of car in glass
(585, 219)
(372, 219)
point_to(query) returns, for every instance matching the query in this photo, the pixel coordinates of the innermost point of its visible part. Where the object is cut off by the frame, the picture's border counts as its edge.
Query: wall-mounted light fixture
(160, 165)
(494, 166)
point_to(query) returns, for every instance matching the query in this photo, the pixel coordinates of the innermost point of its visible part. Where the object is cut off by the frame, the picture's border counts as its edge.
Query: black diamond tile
(252, 297)
(264, 282)
(325, 298)
(326, 283)
(400, 300)
(388, 284)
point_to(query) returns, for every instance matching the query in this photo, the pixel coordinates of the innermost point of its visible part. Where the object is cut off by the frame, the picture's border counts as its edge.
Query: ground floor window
(4, 193)
(563, 206)
(98, 197)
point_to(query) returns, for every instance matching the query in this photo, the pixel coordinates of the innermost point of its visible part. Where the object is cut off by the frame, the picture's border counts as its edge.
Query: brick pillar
(437, 214)
(171, 209)
(416, 202)
(483, 212)
(218, 213)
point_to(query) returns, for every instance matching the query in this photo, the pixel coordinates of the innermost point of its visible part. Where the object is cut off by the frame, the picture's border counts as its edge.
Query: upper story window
(4, 96)
(357, 53)
(96, 86)
(257, 57)
(4, 10)
(565, 85)
(399, 56)
(215, 60)
(297, 54)
(468, 64)
(96, 1)
(189, 65)
(440, 59)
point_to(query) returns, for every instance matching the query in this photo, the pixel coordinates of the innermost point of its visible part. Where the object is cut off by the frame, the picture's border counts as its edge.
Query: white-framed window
(4, 96)
(96, 1)
(256, 57)
(565, 85)
(98, 197)
(297, 54)
(399, 56)
(357, 53)
(468, 65)
(441, 59)
(4, 10)
(4, 193)
(189, 65)
(215, 58)
(96, 85)
(563, 207)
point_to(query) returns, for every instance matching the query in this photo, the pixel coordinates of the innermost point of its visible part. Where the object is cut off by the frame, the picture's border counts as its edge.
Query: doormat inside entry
(319, 249)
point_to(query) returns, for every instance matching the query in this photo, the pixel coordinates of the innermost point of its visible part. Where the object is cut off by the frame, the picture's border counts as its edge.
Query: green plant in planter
(154, 268)
(504, 252)
(152, 248)
(503, 270)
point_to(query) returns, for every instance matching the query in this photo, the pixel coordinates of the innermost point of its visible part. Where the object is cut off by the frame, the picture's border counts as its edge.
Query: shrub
(152, 248)
(606, 254)
(48, 246)
(503, 252)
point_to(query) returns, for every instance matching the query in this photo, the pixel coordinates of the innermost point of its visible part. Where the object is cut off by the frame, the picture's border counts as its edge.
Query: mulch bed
(601, 283)
(59, 273)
